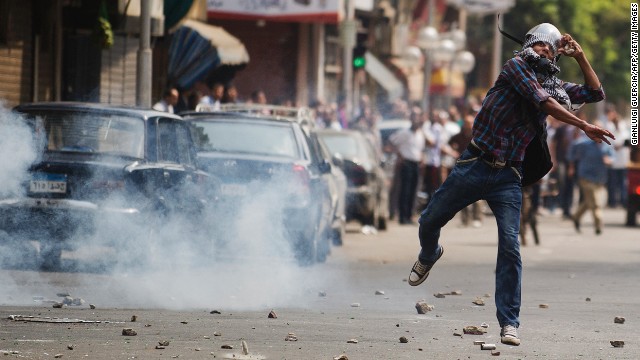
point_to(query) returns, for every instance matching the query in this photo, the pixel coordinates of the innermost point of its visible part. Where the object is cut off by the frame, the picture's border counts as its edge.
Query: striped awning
(197, 48)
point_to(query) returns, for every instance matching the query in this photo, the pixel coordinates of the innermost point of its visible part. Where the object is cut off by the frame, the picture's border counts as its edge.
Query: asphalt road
(358, 304)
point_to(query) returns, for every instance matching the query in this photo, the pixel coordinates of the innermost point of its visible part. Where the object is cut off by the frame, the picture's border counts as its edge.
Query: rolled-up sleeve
(581, 94)
(524, 81)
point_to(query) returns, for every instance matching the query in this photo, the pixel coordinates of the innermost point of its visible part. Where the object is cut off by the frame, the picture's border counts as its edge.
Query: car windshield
(90, 133)
(248, 138)
(348, 146)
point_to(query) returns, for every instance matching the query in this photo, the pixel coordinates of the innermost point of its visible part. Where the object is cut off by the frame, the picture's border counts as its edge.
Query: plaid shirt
(502, 124)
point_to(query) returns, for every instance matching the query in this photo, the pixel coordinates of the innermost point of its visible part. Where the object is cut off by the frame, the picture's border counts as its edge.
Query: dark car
(367, 189)
(268, 166)
(103, 169)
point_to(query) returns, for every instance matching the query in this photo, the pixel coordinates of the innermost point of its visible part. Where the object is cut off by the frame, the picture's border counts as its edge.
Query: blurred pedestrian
(230, 94)
(409, 145)
(517, 105)
(169, 99)
(617, 179)
(591, 164)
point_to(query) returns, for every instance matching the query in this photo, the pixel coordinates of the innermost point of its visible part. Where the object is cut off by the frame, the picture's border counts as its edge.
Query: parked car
(367, 191)
(99, 168)
(267, 159)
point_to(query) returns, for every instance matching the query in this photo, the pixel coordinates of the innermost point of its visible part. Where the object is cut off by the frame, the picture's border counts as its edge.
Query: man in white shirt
(409, 144)
(169, 99)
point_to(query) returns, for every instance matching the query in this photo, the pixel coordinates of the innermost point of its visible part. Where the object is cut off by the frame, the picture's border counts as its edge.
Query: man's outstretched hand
(597, 133)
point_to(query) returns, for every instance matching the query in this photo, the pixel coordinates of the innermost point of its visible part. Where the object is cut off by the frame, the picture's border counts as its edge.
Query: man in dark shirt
(525, 93)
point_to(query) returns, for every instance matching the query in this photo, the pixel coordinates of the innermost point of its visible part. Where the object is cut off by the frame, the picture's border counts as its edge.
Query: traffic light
(359, 60)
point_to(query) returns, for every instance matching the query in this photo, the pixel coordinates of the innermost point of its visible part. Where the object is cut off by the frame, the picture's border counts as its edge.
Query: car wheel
(305, 249)
(50, 255)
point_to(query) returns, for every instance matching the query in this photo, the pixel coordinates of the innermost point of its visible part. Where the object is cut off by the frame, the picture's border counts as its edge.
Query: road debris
(619, 320)
(163, 343)
(617, 343)
(487, 346)
(474, 330)
(50, 319)
(245, 348)
(291, 337)
(217, 333)
(322, 294)
(226, 347)
(439, 295)
(134, 318)
(92, 307)
(58, 356)
(403, 340)
(423, 307)
(355, 305)
(587, 299)
(484, 325)
(543, 306)
(478, 342)
(272, 315)
(495, 353)
(352, 341)
(58, 305)
(341, 357)
(379, 292)
(70, 347)
(129, 332)
(215, 312)
(478, 301)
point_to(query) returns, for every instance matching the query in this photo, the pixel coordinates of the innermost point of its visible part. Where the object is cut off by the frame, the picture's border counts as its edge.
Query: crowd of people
(212, 97)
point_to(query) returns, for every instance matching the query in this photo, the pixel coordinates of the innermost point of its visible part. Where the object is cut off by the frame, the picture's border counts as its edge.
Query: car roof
(94, 107)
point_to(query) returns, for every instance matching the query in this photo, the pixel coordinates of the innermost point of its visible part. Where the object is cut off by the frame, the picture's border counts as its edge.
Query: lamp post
(460, 60)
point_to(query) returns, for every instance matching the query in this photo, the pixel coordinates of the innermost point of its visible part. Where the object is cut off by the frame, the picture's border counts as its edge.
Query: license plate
(233, 189)
(48, 183)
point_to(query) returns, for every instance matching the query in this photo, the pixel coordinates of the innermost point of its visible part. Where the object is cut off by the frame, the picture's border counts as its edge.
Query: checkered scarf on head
(547, 76)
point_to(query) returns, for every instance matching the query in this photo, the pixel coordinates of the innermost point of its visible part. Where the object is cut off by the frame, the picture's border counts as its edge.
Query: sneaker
(509, 335)
(420, 271)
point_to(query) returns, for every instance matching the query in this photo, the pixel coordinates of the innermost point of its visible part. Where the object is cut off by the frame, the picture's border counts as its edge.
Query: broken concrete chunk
(163, 343)
(439, 295)
(58, 305)
(291, 337)
(543, 306)
(587, 299)
(403, 340)
(355, 305)
(478, 342)
(245, 348)
(160, 347)
(619, 320)
(474, 330)
(217, 333)
(455, 292)
(91, 306)
(488, 346)
(272, 315)
(352, 341)
(134, 318)
(423, 307)
(227, 347)
(379, 292)
(70, 347)
(58, 356)
(341, 357)
(484, 325)
(495, 353)
(617, 343)
(457, 334)
(129, 332)
(215, 312)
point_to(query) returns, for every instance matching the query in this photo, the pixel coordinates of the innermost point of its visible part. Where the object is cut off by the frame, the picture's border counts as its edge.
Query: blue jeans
(472, 179)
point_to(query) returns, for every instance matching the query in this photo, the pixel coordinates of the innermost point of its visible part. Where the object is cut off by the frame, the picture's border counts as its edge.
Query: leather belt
(490, 159)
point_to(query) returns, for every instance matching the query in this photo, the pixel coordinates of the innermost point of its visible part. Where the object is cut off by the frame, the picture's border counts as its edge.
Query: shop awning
(197, 48)
(383, 76)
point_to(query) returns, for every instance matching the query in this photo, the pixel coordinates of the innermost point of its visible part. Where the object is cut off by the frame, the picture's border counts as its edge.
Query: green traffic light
(359, 62)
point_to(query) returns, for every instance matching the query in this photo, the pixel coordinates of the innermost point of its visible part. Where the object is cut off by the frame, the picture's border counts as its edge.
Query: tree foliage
(601, 27)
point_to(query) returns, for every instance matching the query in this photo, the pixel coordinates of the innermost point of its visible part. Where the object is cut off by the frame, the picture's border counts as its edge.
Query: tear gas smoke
(234, 257)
